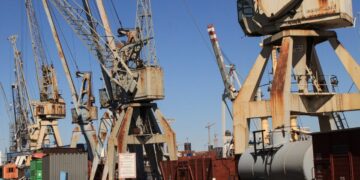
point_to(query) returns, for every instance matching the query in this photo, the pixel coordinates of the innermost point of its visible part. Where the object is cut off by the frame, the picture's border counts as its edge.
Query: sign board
(127, 165)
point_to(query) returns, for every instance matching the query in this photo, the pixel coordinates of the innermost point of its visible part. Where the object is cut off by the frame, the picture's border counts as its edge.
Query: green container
(36, 169)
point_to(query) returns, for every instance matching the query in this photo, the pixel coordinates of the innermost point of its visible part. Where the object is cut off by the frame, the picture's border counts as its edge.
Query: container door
(63, 175)
(341, 167)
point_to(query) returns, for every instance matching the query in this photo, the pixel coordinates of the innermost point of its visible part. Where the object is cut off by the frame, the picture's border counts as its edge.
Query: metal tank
(292, 160)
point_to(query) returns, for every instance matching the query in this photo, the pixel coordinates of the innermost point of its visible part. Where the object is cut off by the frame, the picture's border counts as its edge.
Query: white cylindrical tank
(292, 161)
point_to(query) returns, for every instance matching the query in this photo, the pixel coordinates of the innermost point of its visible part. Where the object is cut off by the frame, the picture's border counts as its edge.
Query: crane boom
(229, 87)
(144, 23)
(128, 81)
(45, 73)
(7, 105)
(84, 111)
(111, 61)
(23, 111)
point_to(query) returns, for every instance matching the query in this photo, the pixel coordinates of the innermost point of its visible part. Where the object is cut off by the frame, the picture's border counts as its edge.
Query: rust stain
(323, 4)
(103, 136)
(325, 7)
(106, 115)
(278, 86)
(95, 138)
(123, 131)
(280, 73)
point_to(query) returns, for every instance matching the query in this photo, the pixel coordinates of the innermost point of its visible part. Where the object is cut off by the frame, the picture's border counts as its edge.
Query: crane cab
(150, 85)
(49, 110)
(266, 17)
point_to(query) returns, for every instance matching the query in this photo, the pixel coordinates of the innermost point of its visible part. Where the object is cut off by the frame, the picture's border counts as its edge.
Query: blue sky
(193, 84)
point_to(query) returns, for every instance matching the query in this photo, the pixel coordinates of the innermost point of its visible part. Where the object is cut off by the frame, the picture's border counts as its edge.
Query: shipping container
(70, 161)
(10, 171)
(337, 155)
(36, 169)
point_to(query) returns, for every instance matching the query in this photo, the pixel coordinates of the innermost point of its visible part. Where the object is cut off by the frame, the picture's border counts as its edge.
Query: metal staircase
(339, 117)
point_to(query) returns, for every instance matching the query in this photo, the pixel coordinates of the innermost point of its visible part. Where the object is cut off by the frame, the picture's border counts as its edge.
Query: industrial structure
(230, 80)
(133, 81)
(51, 106)
(295, 28)
(135, 141)
(34, 120)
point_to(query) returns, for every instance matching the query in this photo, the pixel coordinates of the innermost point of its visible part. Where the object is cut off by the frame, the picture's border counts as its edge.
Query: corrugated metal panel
(75, 164)
(46, 168)
(337, 154)
(356, 166)
(341, 167)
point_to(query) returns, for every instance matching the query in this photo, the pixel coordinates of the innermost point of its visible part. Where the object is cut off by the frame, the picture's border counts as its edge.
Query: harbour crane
(133, 81)
(84, 111)
(51, 106)
(23, 113)
(8, 108)
(230, 79)
(295, 28)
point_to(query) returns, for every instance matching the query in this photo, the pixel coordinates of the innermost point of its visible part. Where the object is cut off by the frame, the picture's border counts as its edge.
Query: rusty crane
(51, 106)
(293, 29)
(23, 113)
(133, 81)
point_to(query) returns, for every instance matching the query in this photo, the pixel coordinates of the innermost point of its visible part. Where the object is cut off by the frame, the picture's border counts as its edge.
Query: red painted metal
(204, 166)
(337, 155)
(10, 171)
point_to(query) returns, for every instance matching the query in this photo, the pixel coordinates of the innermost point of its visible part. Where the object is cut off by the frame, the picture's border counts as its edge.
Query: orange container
(10, 171)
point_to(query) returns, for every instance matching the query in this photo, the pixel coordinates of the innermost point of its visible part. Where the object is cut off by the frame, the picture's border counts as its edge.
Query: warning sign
(127, 165)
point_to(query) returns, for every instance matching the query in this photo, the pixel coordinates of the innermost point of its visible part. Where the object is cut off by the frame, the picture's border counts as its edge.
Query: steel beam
(298, 53)
(350, 64)
(280, 90)
(304, 104)
(246, 94)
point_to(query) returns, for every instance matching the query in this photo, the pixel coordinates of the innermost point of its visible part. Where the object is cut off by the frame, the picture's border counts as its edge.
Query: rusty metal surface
(280, 90)
(283, 102)
(124, 131)
(349, 63)
(49, 110)
(60, 150)
(272, 16)
(150, 85)
(246, 95)
(337, 154)
(169, 133)
(199, 167)
(305, 103)
(320, 8)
